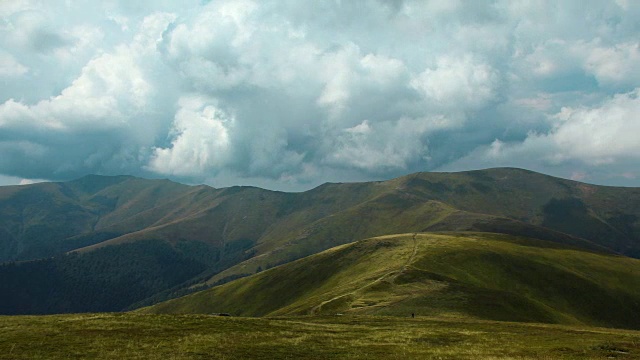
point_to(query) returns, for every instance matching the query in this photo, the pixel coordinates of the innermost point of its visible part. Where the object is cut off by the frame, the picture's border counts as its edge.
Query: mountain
(68, 234)
(456, 275)
(45, 219)
(510, 201)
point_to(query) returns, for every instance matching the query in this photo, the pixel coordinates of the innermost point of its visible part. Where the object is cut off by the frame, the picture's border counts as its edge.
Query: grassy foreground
(135, 336)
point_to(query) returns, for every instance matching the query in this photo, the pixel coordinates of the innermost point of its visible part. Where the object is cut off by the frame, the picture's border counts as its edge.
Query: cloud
(599, 134)
(458, 83)
(103, 121)
(379, 147)
(599, 139)
(291, 94)
(612, 65)
(110, 91)
(200, 140)
(9, 67)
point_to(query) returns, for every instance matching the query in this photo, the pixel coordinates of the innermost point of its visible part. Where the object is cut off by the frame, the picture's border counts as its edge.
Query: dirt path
(413, 254)
(394, 273)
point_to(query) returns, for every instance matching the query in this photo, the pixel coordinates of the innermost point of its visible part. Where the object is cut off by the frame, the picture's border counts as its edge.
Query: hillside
(453, 275)
(223, 234)
(46, 219)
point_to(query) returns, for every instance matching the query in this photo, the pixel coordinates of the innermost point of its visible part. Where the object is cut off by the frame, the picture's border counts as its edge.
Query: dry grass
(133, 336)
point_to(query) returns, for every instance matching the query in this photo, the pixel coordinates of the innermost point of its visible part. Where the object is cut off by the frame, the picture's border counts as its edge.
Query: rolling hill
(67, 234)
(446, 275)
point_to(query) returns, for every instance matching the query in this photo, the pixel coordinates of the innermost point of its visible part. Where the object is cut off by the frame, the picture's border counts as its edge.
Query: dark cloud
(286, 94)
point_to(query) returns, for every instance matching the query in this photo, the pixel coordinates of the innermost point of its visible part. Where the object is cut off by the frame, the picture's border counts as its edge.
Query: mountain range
(113, 243)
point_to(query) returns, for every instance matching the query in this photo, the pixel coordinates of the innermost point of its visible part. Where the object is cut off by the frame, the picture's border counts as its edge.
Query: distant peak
(93, 183)
(96, 176)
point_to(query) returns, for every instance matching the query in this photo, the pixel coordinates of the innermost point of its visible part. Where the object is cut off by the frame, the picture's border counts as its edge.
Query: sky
(290, 94)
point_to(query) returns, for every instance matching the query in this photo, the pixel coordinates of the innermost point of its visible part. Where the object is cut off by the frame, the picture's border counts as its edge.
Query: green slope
(511, 201)
(41, 220)
(469, 275)
(389, 213)
(609, 216)
(246, 230)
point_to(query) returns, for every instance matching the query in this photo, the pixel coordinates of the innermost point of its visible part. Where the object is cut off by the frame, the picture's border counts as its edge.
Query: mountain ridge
(245, 230)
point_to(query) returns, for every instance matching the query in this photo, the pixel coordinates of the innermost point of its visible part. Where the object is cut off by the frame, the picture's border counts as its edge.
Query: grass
(134, 336)
(469, 275)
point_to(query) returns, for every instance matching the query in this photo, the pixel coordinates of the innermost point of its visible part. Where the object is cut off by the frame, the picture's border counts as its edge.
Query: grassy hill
(452, 275)
(238, 231)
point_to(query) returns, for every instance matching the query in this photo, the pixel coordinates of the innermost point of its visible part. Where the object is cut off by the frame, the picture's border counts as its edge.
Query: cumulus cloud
(618, 64)
(379, 147)
(291, 94)
(200, 140)
(601, 134)
(458, 83)
(599, 139)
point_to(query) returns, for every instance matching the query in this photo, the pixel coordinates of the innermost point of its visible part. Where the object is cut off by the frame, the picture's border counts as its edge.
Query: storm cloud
(290, 94)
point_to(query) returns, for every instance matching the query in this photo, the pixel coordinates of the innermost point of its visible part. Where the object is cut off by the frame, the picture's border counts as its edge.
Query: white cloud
(302, 92)
(381, 146)
(10, 67)
(350, 79)
(618, 64)
(339, 71)
(595, 138)
(545, 60)
(600, 134)
(108, 88)
(111, 90)
(458, 83)
(200, 141)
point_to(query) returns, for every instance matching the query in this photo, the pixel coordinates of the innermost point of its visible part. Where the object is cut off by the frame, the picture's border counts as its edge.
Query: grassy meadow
(135, 336)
